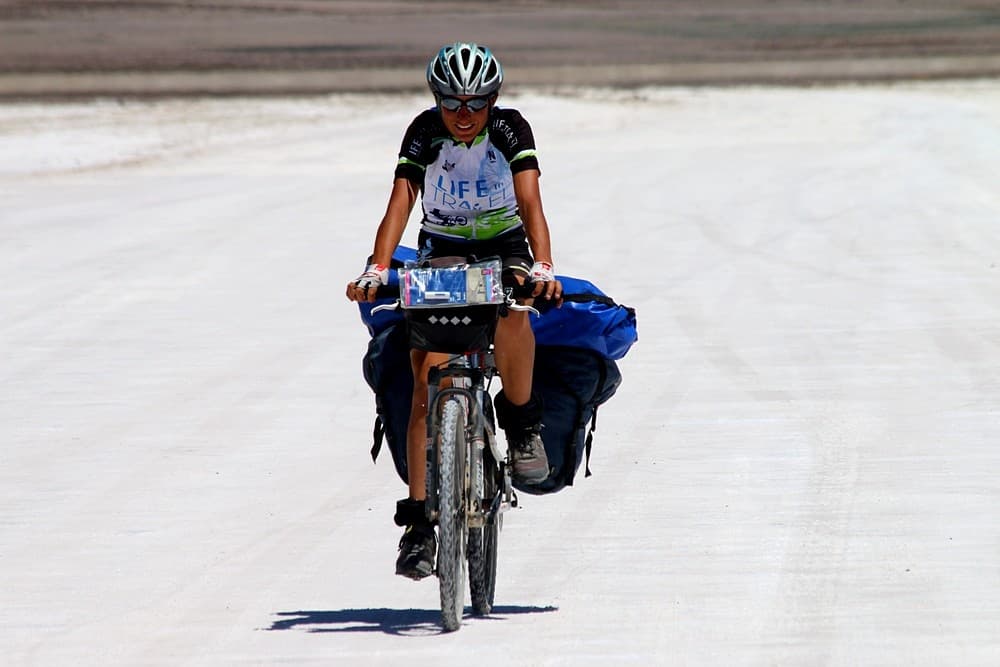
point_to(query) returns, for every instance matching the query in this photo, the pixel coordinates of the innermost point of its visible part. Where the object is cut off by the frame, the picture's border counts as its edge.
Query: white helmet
(464, 69)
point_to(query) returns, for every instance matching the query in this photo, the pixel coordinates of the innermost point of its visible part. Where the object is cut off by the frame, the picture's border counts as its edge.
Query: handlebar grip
(522, 291)
(387, 292)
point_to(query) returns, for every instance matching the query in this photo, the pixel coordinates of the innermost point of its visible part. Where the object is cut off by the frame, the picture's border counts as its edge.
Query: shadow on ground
(389, 621)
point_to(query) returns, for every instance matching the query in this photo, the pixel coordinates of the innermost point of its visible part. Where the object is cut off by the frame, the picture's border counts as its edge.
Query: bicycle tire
(451, 513)
(483, 545)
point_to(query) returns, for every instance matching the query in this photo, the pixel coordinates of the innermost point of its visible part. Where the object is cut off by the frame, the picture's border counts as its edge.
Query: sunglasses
(473, 104)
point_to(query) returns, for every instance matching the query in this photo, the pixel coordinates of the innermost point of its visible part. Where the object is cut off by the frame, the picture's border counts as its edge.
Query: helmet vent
(464, 69)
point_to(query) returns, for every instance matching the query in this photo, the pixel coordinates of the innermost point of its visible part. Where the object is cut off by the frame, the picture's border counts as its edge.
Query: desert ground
(798, 198)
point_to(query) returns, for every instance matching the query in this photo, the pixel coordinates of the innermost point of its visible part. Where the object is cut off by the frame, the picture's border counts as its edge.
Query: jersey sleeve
(511, 133)
(415, 151)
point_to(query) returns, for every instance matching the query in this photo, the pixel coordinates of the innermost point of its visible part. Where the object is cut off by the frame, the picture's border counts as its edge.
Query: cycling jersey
(468, 190)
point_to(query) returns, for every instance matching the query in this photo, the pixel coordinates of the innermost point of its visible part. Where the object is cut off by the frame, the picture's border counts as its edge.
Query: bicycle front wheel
(484, 542)
(451, 512)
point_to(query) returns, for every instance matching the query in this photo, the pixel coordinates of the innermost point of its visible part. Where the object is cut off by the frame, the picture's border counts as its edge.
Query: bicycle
(454, 309)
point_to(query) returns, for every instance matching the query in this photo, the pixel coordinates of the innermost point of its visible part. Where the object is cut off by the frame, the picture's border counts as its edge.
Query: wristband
(541, 272)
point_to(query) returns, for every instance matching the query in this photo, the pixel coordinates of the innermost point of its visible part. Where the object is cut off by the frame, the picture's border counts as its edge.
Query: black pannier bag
(387, 371)
(571, 382)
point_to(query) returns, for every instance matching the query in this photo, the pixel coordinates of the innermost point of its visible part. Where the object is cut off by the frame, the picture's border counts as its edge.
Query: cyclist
(476, 167)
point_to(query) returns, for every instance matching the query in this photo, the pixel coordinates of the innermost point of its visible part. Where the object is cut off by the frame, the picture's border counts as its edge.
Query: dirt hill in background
(248, 46)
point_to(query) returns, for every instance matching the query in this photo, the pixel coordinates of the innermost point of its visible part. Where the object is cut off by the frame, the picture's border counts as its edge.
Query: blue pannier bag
(572, 382)
(588, 319)
(575, 371)
(380, 321)
(387, 371)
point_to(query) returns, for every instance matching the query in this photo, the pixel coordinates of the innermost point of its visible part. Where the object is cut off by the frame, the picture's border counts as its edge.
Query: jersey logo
(507, 131)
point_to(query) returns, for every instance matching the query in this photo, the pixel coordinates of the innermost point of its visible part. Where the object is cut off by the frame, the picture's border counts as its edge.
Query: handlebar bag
(588, 319)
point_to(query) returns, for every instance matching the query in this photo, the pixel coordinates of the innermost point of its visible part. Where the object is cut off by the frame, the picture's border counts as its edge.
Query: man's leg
(515, 356)
(519, 413)
(416, 433)
(417, 546)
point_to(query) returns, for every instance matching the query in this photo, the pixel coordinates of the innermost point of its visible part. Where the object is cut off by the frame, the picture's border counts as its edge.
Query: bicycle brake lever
(513, 305)
(386, 306)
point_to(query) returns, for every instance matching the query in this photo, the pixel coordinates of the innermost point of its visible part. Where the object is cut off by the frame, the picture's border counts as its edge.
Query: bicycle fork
(484, 502)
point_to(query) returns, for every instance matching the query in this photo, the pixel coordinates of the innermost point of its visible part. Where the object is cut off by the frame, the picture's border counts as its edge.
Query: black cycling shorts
(511, 247)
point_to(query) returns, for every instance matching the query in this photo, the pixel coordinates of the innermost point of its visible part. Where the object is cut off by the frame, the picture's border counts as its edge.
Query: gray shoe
(529, 464)
(416, 553)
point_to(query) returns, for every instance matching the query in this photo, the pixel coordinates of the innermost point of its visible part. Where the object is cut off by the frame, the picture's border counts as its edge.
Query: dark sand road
(51, 48)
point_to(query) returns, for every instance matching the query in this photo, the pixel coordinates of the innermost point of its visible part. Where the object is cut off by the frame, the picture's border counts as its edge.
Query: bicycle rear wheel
(484, 543)
(451, 517)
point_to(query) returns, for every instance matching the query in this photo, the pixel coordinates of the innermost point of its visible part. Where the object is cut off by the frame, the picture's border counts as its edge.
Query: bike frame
(469, 377)
(474, 470)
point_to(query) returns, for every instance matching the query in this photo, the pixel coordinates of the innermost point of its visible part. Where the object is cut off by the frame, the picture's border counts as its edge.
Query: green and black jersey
(468, 190)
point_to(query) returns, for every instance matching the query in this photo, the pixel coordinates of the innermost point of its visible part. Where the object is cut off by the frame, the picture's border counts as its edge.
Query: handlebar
(524, 291)
(517, 291)
(387, 292)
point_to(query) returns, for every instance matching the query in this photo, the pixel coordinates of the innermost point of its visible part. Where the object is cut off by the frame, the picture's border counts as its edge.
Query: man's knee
(516, 327)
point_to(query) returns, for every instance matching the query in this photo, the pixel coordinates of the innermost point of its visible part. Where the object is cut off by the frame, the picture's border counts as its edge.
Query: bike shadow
(388, 621)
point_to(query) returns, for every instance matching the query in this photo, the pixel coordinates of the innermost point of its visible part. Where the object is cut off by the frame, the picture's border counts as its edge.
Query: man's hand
(546, 285)
(363, 288)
